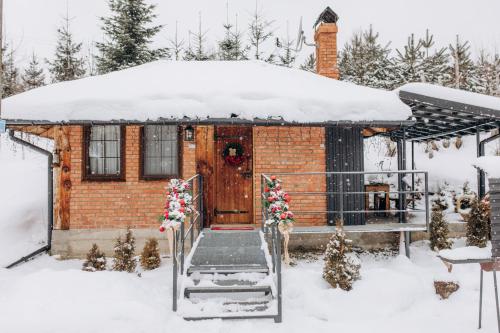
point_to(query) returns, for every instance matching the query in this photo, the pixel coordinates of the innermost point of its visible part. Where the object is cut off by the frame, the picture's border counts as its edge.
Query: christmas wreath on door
(233, 154)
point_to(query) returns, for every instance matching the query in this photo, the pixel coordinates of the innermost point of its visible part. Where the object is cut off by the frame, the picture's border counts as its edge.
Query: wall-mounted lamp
(189, 133)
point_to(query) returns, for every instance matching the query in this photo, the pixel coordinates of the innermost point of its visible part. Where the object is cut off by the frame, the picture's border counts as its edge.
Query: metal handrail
(181, 235)
(341, 194)
(275, 250)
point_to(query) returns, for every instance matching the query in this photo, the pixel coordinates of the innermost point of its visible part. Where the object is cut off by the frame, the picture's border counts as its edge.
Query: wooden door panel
(233, 184)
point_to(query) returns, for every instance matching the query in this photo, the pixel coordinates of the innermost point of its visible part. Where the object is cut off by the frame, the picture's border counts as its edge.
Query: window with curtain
(160, 151)
(104, 151)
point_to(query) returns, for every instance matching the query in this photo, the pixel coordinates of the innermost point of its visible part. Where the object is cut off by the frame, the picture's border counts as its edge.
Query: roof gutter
(215, 121)
(50, 202)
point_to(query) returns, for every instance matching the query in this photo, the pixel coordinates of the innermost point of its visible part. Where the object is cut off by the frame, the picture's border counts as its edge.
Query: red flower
(273, 178)
(166, 215)
(181, 209)
(182, 202)
(270, 199)
(162, 228)
(266, 189)
(290, 214)
(283, 216)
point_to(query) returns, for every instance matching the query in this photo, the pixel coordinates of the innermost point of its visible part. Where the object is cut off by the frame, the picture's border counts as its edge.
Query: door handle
(247, 174)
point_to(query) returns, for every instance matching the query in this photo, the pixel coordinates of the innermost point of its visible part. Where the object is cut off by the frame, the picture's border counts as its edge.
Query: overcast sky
(30, 25)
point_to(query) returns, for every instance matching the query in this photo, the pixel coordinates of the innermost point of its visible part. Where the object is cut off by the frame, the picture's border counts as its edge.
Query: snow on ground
(23, 201)
(201, 89)
(466, 253)
(394, 295)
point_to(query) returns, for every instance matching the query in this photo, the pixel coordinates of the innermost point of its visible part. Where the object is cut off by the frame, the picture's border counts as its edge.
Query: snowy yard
(394, 295)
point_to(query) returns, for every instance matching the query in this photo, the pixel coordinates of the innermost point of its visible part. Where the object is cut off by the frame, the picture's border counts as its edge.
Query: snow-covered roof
(209, 89)
(490, 165)
(454, 95)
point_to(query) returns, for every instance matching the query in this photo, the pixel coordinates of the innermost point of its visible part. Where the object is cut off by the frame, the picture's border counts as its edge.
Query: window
(104, 152)
(160, 151)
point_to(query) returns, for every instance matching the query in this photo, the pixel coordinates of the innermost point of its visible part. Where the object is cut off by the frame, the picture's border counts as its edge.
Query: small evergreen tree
(309, 64)
(434, 66)
(11, 84)
(439, 230)
(478, 224)
(409, 62)
(259, 32)
(462, 70)
(128, 36)
(177, 46)
(96, 261)
(197, 49)
(231, 48)
(340, 270)
(150, 256)
(124, 253)
(67, 64)
(488, 74)
(33, 76)
(286, 54)
(364, 61)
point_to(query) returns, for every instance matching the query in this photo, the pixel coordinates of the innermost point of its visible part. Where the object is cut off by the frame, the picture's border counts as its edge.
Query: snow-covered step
(236, 288)
(227, 269)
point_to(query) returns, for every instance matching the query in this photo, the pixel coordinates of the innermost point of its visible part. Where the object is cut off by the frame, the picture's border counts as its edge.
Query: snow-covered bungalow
(119, 137)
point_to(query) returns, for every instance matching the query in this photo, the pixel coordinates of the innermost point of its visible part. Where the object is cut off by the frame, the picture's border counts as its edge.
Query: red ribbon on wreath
(233, 154)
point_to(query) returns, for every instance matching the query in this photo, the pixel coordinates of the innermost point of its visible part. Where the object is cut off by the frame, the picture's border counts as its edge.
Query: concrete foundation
(76, 243)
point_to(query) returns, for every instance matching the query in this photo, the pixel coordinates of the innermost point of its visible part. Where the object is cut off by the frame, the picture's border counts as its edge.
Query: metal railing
(275, 248)
(183, 239)
(338, 194)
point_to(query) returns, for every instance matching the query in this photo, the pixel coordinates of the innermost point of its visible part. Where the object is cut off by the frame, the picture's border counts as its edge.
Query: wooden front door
(233, 175)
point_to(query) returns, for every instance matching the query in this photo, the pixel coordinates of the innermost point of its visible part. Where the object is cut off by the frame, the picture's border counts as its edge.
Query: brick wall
(117, 204)
(292, 149)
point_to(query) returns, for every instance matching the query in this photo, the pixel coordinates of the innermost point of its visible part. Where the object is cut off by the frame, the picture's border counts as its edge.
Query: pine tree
(67, 64)
(128, 36)
(439, 230)
(231, 48)
(124, 253)
(259, 32)
(33, 76)
(434, 66)
(11, 84)
(364, 61)
(409, 62)
(340, 270)
(177, 45)
(309, 64)
(96, 261)
(462, 69)
(286, 54)
(197, 49)
(150, 256)
(478, 224)
(488, 73)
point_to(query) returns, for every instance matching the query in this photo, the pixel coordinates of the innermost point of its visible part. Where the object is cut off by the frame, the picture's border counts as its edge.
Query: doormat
(232, 228)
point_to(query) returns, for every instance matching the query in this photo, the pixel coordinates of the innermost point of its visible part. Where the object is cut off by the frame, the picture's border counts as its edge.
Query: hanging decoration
(277, 205)
(233, 154)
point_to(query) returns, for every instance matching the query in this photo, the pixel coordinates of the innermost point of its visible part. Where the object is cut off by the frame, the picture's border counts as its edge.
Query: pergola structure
(444, 113)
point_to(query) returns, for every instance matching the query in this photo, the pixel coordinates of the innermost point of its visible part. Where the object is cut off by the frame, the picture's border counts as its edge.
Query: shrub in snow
(340, 270)
(439, 230)
(478, 224)
(445, 288)
(150, 256)
(96, 261)
(439, 200)
(124, 253)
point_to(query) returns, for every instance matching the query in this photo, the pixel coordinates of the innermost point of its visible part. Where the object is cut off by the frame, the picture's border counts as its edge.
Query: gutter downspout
(50, 199)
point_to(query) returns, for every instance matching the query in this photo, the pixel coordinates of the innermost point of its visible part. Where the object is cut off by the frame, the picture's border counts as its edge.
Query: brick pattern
(117, 204)
(325, 38)
(292, 149)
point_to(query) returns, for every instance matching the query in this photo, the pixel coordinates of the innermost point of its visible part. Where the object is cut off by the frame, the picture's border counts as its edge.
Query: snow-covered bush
(439, 230)
(478, 228)
(150, 256)
(96, 261)
(340, 270)
(124, 253)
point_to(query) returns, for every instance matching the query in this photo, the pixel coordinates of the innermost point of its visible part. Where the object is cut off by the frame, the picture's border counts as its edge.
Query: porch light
(189, 133)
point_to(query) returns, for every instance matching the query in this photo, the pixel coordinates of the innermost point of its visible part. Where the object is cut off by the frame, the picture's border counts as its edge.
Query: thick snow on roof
(454, 95)
(490, 165)
(214, 89)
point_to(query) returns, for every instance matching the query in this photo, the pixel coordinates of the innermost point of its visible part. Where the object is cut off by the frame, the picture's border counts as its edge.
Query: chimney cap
(327, 16)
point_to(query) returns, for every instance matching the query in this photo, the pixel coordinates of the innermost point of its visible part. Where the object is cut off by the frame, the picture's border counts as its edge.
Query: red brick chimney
(325, 37)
